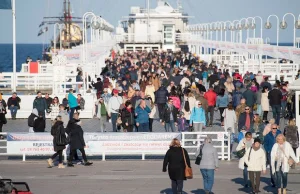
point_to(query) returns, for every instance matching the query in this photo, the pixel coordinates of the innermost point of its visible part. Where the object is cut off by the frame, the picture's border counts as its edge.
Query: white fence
(117, 144)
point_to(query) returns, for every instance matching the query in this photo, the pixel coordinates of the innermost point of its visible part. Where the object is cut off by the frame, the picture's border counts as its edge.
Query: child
(182, 123)
(242, 133)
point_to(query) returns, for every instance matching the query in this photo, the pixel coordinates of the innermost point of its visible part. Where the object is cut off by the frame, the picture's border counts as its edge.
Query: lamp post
(268, 25)
(283, 25)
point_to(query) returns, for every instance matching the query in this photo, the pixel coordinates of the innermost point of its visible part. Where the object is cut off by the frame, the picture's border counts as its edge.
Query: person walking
(113, 108)
(175, 161)
(222, 103)
(229, 119)
(102, 113)
(275, 97)
(211, 98)
(265, 103)
(161, 98)
(245, 143)
(3, 119)
(142, 117)
(197, 119)
(281, 153)
(58, 132)
(246, 119)
(54, 108)
(127, 117)
(72, 103)
(209, 164)
(255, 159)
(292, 136)
(269, 141)
(77, 142)
(169, 116)
(13, 104)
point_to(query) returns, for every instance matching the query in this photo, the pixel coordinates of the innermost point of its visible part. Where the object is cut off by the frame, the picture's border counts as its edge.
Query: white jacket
(238, 148)
(265, 106)
(289, 152)
(257, 160)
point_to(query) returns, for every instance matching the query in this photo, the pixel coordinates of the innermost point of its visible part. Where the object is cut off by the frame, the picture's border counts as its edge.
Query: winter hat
(115, 91)
(257, 140)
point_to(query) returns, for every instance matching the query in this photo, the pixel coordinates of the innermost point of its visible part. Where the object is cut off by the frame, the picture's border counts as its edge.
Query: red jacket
(211, 97)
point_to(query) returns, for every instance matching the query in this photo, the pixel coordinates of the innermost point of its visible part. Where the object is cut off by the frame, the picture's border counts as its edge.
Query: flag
(5, 4)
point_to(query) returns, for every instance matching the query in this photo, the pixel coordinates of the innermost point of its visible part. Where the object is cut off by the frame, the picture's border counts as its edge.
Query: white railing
(218, 139)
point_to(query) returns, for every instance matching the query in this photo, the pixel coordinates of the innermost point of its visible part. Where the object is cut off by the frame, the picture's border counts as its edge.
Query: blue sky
(30, 14)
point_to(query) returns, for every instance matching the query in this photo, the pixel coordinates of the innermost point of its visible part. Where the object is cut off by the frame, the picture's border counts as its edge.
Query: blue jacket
(142, 115)
(205, 74)
(198, 116)
(270, 140)
(72, 100)
(222, 101)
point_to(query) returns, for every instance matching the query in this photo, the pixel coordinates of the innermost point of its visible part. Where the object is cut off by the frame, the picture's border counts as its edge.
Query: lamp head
(95, 25)
(283, 25)
(297, 24)
(268, 25)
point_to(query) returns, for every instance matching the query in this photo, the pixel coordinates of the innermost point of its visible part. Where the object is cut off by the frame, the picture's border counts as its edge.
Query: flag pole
(14, 46)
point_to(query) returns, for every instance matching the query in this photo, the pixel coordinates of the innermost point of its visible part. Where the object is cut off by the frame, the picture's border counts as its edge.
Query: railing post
(103, 156)
(183, 139)
(143, 156)
(24, 157)
(222, 139)
(229, 143)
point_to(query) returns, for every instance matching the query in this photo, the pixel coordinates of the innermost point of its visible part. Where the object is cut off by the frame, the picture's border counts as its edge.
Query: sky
(29, 14)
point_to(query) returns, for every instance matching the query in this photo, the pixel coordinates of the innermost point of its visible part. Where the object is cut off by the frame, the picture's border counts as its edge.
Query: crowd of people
(183, 93)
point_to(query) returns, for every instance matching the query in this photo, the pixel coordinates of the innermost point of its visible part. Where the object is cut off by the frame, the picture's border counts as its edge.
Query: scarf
(247, 124)
(280, 157)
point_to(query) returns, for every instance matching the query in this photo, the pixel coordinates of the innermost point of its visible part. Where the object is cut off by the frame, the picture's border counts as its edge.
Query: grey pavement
(127, 177)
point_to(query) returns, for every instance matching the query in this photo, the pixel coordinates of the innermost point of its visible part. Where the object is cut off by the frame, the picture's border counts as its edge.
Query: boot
(61, 165)
(87, 163)
(50, 163)
(279, 191)
(284, 191)
(70, 164)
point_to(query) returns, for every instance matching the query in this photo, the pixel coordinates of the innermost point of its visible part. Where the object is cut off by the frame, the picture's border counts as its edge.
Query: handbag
(188, 171)
(199, 157)
(245, 165)
(290, 159)
(119, 120)
(241, 153)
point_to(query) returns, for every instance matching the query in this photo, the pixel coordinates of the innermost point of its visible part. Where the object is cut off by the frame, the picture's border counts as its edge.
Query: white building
(154, 29)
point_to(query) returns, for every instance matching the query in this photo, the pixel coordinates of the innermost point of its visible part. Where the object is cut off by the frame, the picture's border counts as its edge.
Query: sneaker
(70, 164)
(88, 163)
(50, 163)
(61, 166)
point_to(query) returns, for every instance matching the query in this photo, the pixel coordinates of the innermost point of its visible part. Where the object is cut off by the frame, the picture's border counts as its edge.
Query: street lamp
(283, 25)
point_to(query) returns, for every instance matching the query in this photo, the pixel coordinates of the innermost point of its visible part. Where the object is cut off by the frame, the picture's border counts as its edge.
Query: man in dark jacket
(98, 86)
(250, 97)
(246, 119)
(266, 84)
(275, 97)
(161, 96)
(269, 141)
(169, 116)
(40, 104)
(49, 100)
(13, 104)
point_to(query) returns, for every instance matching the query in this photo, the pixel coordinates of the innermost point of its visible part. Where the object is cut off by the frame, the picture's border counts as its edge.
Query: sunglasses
(199, 104)
(274, 128)
(247, 109)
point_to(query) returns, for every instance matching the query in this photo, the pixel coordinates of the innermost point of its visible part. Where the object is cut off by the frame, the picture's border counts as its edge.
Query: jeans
(276, 109)
(59, 154)
(208, 178)
(283, 108)
(255, 180)
(114, 117)
(169, 125)
(245, 175)
(281, 177)
(259, 110)
(13, 111)
(273, 177)
(150, 124)
(177, 186)
(143, 127)
(211, 110)
(72, 112)
(221, 109)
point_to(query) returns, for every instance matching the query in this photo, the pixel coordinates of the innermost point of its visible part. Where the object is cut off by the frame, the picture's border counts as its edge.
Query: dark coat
(175, 162)
(10, 101)
(127, 117)
(76, 135)
(98, 86)
(40, 104)
(242, 121)
(39, 125)
(161, 95)
(250, 97)
(275, 97)
(167, 112)
(58, 126)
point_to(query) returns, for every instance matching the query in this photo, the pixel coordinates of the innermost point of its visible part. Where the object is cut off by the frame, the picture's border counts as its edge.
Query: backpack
(61, 138)
(187, 106)
(236, 99)
(31, 119)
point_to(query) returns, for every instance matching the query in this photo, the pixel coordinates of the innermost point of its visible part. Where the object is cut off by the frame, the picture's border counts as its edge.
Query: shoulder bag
(245, 165)
(199, 157)
(188, 171)
(290, 159)
(241, 153)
